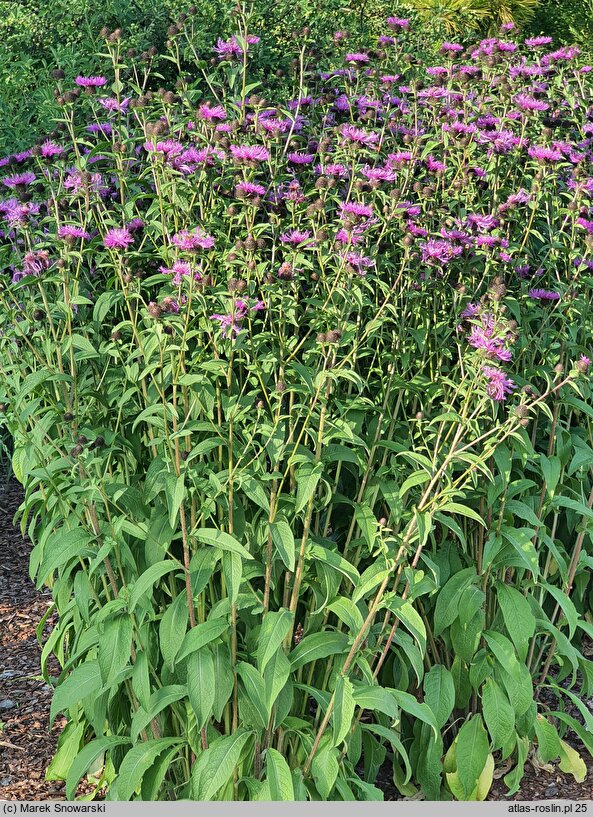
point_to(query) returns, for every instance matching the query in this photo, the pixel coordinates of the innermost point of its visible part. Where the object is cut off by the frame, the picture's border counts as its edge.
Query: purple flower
(544, 154)
(357, 58)
(19, 180)
(249, 153)
(179, 270)
(544, 295)
(247, 190)
(338, 171)
(436, 251)
(118, 238)
(537, 42)
(588, 225)
(529, 103)
(350, 133)
(112, 105)
(227, 49)
(300, 158)
(211, 112)
(297, 237)
(196, 239)
(452, 48)
(104, 128)
(398, 22)
(70, 233)
(355, 210)
(499, 386)
(90, 82)
(231, 323)
(49, 149)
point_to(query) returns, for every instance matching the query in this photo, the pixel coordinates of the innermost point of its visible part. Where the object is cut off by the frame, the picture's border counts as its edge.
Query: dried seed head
(76, 451)
(521, 411)
(280, 386)
(333, 336)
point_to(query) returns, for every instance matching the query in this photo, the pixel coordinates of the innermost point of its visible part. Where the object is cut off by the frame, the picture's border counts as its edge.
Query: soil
(27, 744)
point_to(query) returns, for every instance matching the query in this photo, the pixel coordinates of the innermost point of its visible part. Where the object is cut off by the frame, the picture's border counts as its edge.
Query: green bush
(299, 393)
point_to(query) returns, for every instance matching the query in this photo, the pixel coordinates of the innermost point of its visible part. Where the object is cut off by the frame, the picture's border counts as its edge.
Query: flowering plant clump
(299, 396)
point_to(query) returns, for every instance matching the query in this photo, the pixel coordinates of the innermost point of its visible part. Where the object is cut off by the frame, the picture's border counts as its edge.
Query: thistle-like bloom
(357, 58)
(544, 294)
(336, 170)
(378, 174)
(529, 103)
(231, 323)
(179, 270)
(350, 133)
(544, 154)
(211, 112)
(355, 211)
(297, 238)
(50, 149)
(90, 82)
(398, 22)
(300, 158)
(113, 106)
(435, 251)
(248, 190)
(71, 233)
(193, 240)
(118, 238)
(249, 154)
(499, 386)
(19, 180)
(228, 49)
(586, 223)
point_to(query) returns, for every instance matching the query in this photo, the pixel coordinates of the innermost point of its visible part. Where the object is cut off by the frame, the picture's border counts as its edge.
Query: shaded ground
(26, 743)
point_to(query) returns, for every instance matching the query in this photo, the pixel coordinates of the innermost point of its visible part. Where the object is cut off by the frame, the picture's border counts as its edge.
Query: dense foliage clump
(299, 397)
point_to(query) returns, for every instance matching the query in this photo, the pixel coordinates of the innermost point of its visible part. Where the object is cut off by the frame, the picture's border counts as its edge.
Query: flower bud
(68, 416)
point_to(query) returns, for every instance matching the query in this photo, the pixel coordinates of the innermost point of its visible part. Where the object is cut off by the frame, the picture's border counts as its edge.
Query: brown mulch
(26, 742)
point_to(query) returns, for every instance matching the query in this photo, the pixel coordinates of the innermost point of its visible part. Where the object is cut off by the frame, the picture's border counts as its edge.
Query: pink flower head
(499, 386)
(357, 58)
(179, 270)
(297, 238)
(70, 232)
(193, 240)
(398, 22)
(249, 154)
(247, 190)
(90, 82)
(119, 238)
(355, 210)
(49, 149)
(19, 180)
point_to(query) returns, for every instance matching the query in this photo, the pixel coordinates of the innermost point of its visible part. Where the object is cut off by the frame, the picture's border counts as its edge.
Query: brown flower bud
(280, 386)
(68, 416)
(76, 451)
(333, 336)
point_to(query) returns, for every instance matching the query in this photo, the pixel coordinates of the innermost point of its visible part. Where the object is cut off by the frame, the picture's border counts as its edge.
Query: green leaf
(87, 756)
(462, 510)
(159, 700)
(551, 468)
(325, 769)
(273, 631)
(232, 569)
(201, 684)
(276, 675)
(222, 540)
(334, 560)
(136, 762)
(439, 693)
(175, 495)
(255, 689)
(61, 547)
(307, 477)
(471, 753)
(214, 767)
(371, 578)
(447, 605)
(517, 615)
(498, 714)
(115, 644)
(548, 740)
(283, 540)
(348, 613)
(522, 540)
(68, 747)
(147, 579)
(410, 618)
(421, 711)
(393, 738)
(82, 682)
(172, 629)
(317, 645)
(376, 698)
(200, 635)
(343, 711)
(566, 605)
(279, 776)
